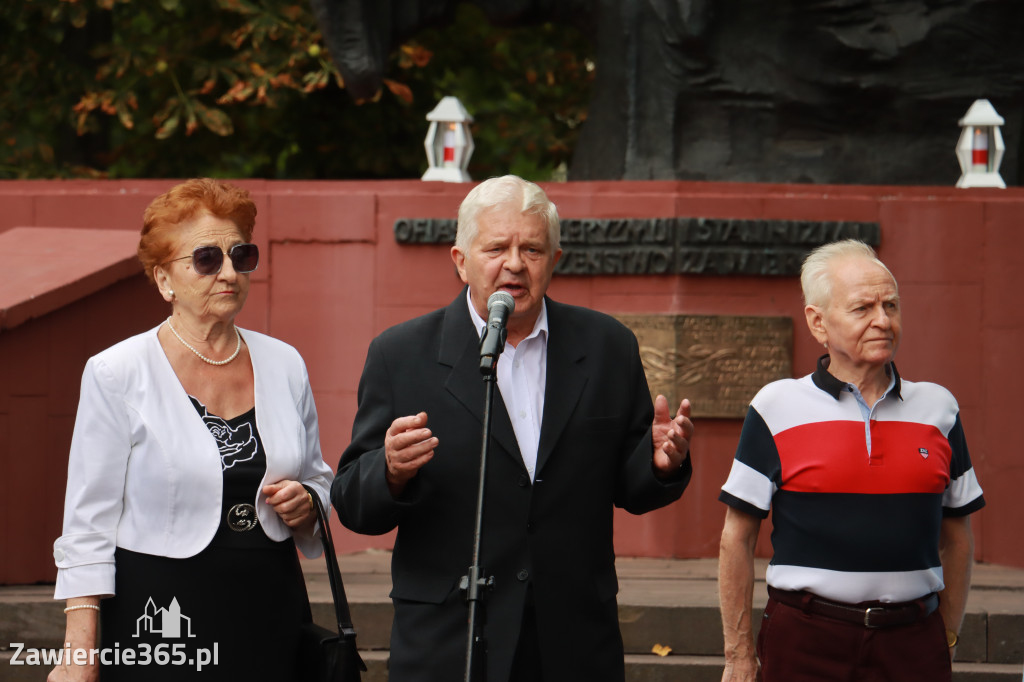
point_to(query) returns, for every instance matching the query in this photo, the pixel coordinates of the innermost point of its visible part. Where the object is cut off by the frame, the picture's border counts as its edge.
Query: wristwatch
(951, 639)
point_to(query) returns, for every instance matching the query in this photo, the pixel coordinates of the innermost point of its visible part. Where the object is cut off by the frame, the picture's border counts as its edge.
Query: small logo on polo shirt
(924, 452)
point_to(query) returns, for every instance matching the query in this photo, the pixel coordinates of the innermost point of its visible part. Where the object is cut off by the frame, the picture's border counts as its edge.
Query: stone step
(709, 669)
(671, 603)
(639, 668)
(674, 603)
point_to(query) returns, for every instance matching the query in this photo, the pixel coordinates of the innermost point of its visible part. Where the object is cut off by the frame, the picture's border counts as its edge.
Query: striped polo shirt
(857, 495)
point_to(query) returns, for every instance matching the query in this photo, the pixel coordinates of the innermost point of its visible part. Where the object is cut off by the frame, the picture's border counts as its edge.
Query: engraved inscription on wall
(719, 362)
(673, 245)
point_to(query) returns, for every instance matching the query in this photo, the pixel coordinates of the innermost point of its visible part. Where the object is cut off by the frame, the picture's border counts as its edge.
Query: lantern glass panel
(446, 153)
(981, 150)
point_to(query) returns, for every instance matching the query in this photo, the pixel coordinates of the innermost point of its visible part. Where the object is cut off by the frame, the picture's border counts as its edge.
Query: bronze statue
(822, 91)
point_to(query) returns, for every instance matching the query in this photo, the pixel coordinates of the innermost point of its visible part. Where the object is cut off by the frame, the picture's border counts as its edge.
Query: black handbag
(325, 655)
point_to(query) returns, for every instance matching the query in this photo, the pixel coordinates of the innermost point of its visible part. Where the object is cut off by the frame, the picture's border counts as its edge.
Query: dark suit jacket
(555, 534)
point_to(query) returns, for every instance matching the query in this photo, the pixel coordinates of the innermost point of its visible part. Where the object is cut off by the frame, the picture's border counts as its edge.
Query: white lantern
(449, 143)
(980, 148)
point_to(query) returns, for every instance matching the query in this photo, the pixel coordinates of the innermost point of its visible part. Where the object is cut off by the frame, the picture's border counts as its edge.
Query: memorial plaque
(673, 245)
(719, 362)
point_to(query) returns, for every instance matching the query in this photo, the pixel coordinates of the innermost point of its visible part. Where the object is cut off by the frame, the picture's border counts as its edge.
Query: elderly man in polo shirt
(871, 486)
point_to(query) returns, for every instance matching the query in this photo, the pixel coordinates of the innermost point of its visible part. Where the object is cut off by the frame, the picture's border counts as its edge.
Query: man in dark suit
(574, 433)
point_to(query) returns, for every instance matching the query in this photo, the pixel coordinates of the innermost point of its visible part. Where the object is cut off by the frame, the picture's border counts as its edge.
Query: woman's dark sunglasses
(208, 260)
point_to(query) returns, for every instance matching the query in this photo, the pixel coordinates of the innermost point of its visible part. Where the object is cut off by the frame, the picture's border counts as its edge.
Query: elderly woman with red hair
(192, 446)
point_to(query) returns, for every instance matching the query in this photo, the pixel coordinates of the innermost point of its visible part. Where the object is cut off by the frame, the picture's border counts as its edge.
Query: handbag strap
(345, 627)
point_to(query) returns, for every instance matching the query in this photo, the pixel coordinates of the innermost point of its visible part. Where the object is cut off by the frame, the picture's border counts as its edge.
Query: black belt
(867, 614)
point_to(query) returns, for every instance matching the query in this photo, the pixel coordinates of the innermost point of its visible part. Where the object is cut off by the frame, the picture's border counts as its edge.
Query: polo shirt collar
(828, 383)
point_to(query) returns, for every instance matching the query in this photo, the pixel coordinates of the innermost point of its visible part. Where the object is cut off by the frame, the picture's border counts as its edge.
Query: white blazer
(144, 471)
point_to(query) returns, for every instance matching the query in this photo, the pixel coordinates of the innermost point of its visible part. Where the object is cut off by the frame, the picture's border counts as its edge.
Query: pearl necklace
(202, 357)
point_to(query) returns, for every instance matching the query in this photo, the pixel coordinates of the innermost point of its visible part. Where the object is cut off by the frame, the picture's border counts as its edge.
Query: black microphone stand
(473, 584)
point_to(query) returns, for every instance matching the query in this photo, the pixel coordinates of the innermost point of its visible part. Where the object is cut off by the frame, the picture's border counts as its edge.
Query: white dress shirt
(522, 378)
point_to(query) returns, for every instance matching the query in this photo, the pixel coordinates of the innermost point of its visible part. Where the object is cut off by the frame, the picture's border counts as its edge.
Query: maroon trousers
(795, 646)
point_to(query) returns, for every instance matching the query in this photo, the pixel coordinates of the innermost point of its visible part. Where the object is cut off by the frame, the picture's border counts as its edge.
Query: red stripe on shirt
(832, 457)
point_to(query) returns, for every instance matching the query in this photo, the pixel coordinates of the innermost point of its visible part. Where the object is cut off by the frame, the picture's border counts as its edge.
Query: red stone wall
(41, 363)
(332, 277)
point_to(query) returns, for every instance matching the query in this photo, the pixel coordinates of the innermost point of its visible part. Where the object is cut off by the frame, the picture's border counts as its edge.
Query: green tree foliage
(244, 88)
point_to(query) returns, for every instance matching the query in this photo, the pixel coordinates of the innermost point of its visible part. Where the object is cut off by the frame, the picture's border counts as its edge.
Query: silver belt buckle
(867, 615)
(242, 518)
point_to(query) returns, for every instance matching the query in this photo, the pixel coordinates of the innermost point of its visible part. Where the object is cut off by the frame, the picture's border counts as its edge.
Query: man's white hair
(816, 275)
(507, 190)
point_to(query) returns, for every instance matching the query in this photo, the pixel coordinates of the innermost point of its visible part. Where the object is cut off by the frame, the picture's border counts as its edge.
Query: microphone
(500, 305)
